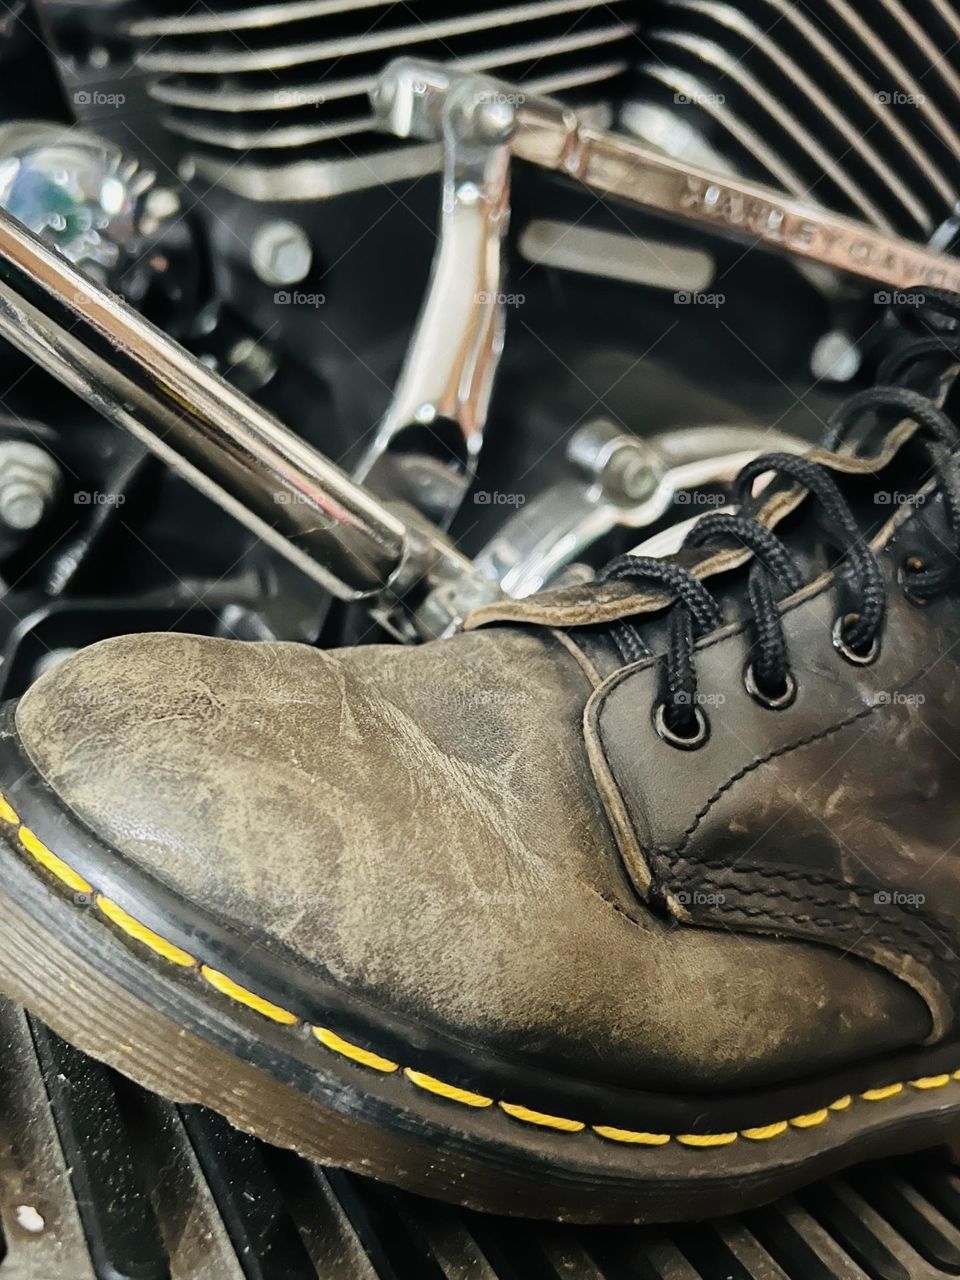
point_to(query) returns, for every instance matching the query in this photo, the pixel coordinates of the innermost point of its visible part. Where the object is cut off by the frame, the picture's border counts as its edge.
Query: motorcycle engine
(221, 168)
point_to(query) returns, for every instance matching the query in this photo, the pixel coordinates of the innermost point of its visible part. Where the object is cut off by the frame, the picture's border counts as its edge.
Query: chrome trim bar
(554, 137)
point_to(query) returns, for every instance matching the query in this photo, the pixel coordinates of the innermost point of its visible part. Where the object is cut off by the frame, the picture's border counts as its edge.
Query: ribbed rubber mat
(102, 1181)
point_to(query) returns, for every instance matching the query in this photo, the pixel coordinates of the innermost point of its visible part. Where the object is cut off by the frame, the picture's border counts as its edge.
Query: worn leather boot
(639, 900)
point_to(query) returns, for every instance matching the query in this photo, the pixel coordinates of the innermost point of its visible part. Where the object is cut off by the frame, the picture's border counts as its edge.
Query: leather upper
(834, 819)
(422, 828)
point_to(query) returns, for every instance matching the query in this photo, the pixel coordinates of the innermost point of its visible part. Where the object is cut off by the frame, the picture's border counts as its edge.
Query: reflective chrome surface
(78, 191)
(628, 483)
(448, 374)
(207, 431)
(554, 137)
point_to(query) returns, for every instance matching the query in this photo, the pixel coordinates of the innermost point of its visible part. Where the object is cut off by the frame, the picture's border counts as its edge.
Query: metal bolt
(622, 465)
(21, 505)
(28, 481)
(835, 357)
(281, 253)
(496, 120)
(628, 475)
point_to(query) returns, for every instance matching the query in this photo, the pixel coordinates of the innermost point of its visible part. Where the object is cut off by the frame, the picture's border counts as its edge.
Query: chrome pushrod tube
(281, 489)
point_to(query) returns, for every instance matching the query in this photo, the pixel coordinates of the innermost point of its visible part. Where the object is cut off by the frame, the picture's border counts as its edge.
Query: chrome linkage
(411, 101)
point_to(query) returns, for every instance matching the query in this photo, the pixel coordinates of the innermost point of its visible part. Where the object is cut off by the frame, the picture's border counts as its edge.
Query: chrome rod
(280, 488)
(409, 101)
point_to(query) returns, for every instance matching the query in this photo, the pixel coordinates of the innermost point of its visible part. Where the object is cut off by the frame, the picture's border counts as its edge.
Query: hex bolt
(281, 253)
(28, 481)
(621, 464)
(628, 476)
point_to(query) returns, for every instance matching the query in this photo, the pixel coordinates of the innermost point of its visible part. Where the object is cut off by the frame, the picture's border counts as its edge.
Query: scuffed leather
(836, 819)
(423, 826)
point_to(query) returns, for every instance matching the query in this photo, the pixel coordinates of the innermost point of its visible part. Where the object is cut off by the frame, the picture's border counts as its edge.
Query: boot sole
(129, 996)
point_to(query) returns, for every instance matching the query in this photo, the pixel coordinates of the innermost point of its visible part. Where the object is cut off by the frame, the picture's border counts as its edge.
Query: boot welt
(157, 1000)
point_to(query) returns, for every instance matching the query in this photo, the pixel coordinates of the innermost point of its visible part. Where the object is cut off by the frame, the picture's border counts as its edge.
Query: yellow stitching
(444, 1090)
(353, 1051)
(233, 989)
(810, 1120)
(706, 1139)
(631, 1135)
(47, 858)
(132, 926)
(540, 1118)
(765, 1131)
(880, 1095)
(169, 951)
(930, 1082)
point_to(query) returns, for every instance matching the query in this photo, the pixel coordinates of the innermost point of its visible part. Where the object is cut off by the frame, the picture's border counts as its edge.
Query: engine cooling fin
(257, 84)
(99, 1179)
(854, 106)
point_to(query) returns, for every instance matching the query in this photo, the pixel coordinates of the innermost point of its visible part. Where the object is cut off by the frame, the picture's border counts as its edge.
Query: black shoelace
(774, 572)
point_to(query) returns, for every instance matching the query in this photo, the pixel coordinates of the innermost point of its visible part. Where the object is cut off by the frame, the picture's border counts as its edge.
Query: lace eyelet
(773, 702)
(909, 566)
(845, 651)
(679, 740)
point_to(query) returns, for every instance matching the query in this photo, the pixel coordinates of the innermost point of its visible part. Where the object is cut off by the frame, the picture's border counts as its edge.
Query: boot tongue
(877, 479)
(901, 486)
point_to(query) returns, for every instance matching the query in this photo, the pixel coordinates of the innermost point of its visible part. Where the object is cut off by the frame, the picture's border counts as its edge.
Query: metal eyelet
(845, 651)
(910, 565)
(678, 740)
(773, 702)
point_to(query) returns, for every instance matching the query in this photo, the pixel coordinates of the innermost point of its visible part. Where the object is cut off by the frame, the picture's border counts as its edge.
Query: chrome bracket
(623, 482)
(447, 377)
(411, 94)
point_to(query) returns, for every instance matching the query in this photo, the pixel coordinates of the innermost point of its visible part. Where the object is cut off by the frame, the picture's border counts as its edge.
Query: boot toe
(420, 829)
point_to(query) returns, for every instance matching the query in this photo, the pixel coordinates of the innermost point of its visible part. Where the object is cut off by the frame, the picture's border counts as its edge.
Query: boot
(638, 900)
